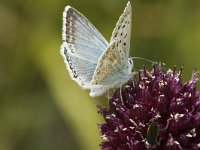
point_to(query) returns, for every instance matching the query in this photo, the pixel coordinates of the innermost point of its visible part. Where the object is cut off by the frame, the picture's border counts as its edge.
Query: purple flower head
(154, 112)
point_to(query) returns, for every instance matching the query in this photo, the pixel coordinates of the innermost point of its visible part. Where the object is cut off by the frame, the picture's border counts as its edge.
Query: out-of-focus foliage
(40, 107)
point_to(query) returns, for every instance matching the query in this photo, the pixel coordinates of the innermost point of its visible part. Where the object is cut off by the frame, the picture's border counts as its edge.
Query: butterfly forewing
(122, 31)
(82, 37)
(82, 46)
(114, 60)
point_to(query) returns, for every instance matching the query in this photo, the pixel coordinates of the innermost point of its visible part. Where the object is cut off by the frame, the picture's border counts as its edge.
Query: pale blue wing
(82, 46)
(81, 70)
(82, 37)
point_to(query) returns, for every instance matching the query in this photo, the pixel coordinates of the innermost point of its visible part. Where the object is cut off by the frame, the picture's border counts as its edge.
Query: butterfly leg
(133, 84)
(108, 94)
(120, 90)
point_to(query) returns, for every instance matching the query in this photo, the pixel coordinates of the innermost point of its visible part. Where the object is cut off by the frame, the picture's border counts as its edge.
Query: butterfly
(92, 62)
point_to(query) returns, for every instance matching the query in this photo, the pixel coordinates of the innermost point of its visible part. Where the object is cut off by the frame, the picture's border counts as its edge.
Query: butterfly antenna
(140, 58)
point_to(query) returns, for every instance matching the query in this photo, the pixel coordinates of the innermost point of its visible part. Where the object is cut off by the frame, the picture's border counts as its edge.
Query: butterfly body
(91, 61)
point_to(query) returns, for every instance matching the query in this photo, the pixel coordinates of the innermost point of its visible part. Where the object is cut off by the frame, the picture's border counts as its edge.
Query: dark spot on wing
(125, 35)
(65, 52)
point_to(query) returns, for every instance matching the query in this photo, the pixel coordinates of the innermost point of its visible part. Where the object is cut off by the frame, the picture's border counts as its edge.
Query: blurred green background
(40, 107)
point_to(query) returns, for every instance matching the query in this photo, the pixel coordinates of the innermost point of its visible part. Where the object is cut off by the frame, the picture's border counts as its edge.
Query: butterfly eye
(130, 61)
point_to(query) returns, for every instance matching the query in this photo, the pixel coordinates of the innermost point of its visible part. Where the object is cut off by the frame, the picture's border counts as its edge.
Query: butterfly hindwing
(80, 69)
(109, 65)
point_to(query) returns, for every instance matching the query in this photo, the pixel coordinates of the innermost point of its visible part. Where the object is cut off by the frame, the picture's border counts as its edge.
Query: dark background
(41, 108)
